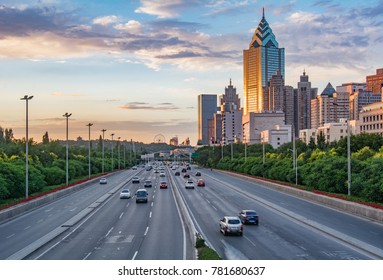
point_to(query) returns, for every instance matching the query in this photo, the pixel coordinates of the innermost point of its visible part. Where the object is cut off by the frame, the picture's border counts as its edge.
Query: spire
(304, 71)
(230, 81)
(263, 12)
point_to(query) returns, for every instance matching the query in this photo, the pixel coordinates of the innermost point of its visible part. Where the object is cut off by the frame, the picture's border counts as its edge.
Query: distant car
(134, 168)
(177, 173)
(163, 185)
(125, 193)
(148, 168)
(249, 217)
(231, 225)
(141, 195)
(198, 173)
(156, 170)
(103, 181)
(183, 170)
(188, 168)
(189, 184)
(135, 180)
(162, 174)
(186, 175)
(148, 184)
(200, 182)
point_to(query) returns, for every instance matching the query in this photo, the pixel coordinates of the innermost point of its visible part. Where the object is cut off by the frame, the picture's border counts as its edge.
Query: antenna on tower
(263, 12)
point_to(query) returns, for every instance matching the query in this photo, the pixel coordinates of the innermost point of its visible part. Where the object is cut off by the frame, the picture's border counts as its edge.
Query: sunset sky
(136, 68)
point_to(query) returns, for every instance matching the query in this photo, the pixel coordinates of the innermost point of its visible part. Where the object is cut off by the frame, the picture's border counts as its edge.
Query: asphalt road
(94, 223)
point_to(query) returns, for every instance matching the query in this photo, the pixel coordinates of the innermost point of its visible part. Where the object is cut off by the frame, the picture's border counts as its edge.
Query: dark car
(177, 173)
(186, 175)
(141, 196)
(198, 173)
(183, 170)
(249, 217)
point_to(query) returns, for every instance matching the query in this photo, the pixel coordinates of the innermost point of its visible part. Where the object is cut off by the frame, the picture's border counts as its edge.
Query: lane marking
(150, 215)
(9, 236)
(109, 232)
(152, 203)
(214, 208)
(87, 256)
(27, 227)
(39, 221)
(135, 254)
(73, 209)
(146, 231)
(121, 215)
(50, 209)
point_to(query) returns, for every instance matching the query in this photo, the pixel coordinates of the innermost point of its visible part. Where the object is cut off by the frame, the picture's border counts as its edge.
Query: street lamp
(26, 98)
(89, 125)
(118, 145)
(348, 152)
(66, 115)
(103, 136)
(112, 152)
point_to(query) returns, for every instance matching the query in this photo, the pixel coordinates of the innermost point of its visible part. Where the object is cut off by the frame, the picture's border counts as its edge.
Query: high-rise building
(207, 107)
(260, 62)
(276, 93)
(375, 82)
(230, 96)
(323, 109)
(351, 87)
(304, 93)
(362, 98)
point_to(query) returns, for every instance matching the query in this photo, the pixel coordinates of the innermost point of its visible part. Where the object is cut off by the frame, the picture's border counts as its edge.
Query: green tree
(46, 138)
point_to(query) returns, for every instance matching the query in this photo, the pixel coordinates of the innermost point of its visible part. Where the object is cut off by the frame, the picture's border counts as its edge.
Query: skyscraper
(260, 62)
(207, 106)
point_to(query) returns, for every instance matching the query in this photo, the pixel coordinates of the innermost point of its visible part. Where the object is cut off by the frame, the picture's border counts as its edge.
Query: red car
(163, 185)
(201, 183)
(186, 175)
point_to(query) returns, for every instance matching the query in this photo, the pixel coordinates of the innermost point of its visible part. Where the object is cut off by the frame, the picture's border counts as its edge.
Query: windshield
(142, 193)
(234, 222)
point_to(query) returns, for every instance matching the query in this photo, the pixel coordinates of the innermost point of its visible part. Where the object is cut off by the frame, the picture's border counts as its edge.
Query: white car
(135, 180)
(162, 174)
(103, 181)
(125, 193)
(231, 225)
(189, 184)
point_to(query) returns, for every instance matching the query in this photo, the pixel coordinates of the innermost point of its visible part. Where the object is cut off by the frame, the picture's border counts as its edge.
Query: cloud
(132, 26)
(231, 7)
(105, 20)
(147, 106)
(167, 9)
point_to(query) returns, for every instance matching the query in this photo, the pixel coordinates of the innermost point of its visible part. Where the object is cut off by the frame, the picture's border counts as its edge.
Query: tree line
(322, 166)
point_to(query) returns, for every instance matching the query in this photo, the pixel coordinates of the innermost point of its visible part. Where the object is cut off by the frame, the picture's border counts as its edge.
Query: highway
(94, 223)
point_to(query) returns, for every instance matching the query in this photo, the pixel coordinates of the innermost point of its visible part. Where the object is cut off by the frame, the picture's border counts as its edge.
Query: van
(141, 195)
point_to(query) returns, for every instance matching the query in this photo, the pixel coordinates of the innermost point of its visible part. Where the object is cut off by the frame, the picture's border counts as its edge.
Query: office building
(261, 61)
(362, 98)
(375, 82)
(371, 119)
(207, 107)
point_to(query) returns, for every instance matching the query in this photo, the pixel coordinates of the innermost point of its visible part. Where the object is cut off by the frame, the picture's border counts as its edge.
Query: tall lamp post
(26, 98)
(89, 125)
(66, 115)
(112, 152)
(118, 145)
(103, 136)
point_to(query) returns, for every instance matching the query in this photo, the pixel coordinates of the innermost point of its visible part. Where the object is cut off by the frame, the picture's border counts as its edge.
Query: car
(141, 195)
(198, 173)
(135, 180)
(183, 170)
(163, 185)
(249, 217)
(186, 175)
(103, 181)
(148, 184)
(156, 170)
(201, 182)
(188, 168)
(134, 168)
(177, 173)
(125, 193)
(189, 184)
(231, 225)
(148, 168)
(162, 174)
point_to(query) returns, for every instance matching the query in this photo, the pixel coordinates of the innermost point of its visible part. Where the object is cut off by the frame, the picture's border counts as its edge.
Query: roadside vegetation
(322, 167)
(205, 252)
(47, 163)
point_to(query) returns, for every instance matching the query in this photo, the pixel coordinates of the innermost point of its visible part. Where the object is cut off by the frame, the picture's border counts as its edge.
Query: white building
(254, 123)
(232, 126)
(331, 131)
(281, 134)
(306, 134)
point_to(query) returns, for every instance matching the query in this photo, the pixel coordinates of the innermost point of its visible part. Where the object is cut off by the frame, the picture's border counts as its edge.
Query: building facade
(207, 107)
(375, 82)
(362, 98)
(277, 136)
(261, 61)
(371, 119)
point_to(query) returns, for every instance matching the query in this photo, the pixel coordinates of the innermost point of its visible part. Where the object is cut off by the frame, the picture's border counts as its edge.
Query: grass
(204, 252)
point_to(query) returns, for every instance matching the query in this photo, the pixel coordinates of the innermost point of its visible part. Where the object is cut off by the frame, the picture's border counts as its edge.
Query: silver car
(125, 193)
(103, 181)
(189, 184)
(231, 225)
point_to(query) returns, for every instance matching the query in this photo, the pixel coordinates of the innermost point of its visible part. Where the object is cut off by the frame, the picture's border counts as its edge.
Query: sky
(135, 68)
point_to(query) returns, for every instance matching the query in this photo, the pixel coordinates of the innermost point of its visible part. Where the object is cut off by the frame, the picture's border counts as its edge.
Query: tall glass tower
(261, 61)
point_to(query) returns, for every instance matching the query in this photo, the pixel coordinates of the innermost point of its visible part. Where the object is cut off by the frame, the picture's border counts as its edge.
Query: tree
(1, 135)
(8, 135)
(45, 138)
(321, 141)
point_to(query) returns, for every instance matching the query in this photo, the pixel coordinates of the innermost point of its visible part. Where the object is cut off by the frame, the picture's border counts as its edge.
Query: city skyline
(137, 68)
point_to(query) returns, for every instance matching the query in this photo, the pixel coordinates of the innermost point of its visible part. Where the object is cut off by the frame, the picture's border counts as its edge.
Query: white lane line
(109, 232)
(120, 232)
(71, 210)
(9, 236)
(152, 203)
(121, 215)
(27, 227)
(87, 256)
(146, 231)
(153, 196)
(150, 215)
(214, 208)
(50, 209)
(39, 221)
(208, 201)
(135, 254)
(127, 205)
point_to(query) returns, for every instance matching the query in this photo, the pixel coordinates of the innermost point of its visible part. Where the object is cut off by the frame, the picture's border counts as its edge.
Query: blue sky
(136, 68)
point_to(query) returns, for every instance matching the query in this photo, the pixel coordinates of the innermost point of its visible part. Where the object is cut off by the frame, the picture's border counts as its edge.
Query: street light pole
(66, 115)
(89, 125)
(112, 152)
(103, 132)
(118, 146)
(26, 98)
